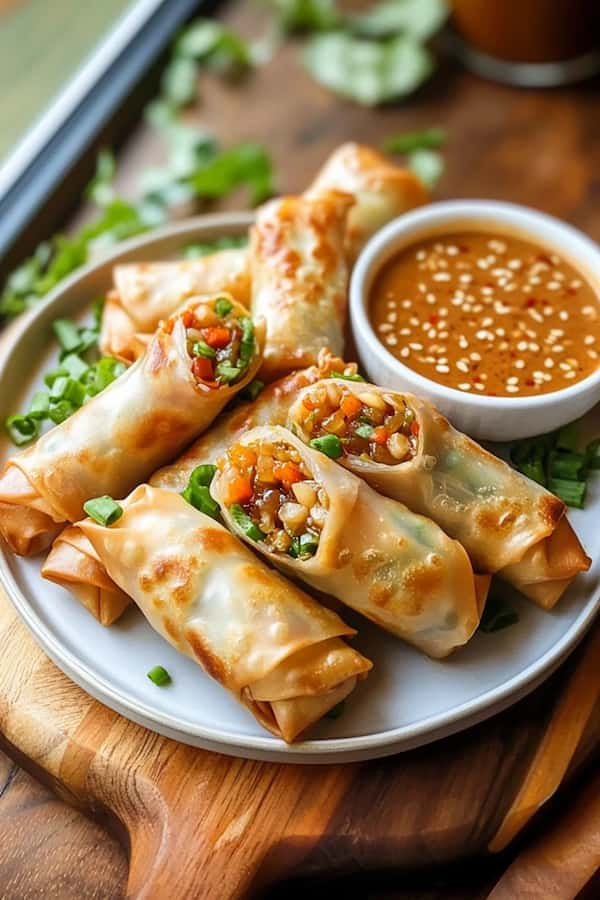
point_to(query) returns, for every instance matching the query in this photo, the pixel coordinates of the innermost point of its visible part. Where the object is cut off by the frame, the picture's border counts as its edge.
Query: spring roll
(74, 564)
(195, 364)
(300, 279)
(407, 450)
(322, 524)
(276, 649)
(147, 293)
(382, 191)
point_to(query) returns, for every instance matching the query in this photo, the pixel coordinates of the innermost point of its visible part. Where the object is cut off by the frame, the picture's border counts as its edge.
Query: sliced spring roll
(382, 190)
(147, 293)
(324, 525)
(276, 649)
(300, 279)
(194, 365)
(407, 450)
(73, 563)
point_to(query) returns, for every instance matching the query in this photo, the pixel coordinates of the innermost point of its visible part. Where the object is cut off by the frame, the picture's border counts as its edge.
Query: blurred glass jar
(536, 43)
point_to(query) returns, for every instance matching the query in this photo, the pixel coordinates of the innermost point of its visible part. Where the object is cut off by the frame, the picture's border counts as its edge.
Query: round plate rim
(347, 749)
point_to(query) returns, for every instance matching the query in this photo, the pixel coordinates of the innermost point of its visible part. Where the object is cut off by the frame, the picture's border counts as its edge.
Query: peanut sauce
(488, 313)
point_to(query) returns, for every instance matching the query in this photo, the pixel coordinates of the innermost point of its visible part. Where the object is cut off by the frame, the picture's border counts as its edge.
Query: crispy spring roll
(403, 447)
(322, 524)
(73, 563)
(147, 293)
(194, 365)
(382, 190)
(276, 649)
(300, 279)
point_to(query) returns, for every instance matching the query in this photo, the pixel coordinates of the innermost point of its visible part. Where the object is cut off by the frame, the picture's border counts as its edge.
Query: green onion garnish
(22, 429)
(347, 377)
(200, 348)
(566, 465)
(58, 387)
(336, 711)
(304, 546)
(103, 510)
(74, 365)
(61, 410)
(497, 614)
(67, 334)
(197, 491)
(226, 374)
(245, 523)
(159, 676)
(252, 390)
(566, 439)
(592, 457)
(223, 307)
(329, 444)
(364, 431)
(40, 403)
(570, 492)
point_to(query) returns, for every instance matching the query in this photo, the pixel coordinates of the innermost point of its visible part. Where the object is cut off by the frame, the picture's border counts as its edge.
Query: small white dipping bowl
(486, 418)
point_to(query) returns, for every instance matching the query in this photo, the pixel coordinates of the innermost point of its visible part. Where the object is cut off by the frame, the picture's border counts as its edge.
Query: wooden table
(536, 147)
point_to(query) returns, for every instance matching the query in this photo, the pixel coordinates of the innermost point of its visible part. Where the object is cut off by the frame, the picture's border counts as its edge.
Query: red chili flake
(434, 319)
(464, 248)
(476, 377)
(571, 290)
(529, 382)
(531, 301)
(543, 257)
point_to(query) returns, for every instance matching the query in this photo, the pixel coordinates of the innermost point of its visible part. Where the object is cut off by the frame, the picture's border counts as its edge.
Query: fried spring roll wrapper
(300, 278)
(147, 293)
(117, 439)
(382, 190)
(276, 649)
(395, 567)
(508, 524)
(73, 562)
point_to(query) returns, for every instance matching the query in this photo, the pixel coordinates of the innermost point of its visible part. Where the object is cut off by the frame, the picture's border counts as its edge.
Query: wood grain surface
(244, 826)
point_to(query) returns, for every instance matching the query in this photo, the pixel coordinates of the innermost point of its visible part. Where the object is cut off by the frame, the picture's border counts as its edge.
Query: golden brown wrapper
(117, 439)
(382, 191)
(299, 279)
(508, 524)
(272, 646)
(70, 561)
(146, 293)
(393, 566)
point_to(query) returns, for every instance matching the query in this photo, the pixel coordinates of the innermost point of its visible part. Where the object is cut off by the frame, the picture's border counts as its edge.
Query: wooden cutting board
(198, 824)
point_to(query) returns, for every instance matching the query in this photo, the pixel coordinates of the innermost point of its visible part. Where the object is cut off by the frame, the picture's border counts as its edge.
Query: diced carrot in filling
(220, 343)
(371, 425)
(286, 508)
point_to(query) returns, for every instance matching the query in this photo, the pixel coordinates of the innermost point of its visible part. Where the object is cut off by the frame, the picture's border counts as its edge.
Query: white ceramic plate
(408, 700)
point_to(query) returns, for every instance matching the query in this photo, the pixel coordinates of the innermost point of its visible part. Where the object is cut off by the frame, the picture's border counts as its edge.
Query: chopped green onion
(427, 138)
(75, 392)
(566, 465)
(101, 374)
(103, 510)
(88, 339)
(247, 341)
(345, 377)
(570, 492)
(22, 429)
(364, 431)
(245, 523)
(534, 469)
(497, 614)
(592, 457)
(58, 387)
(223, 307)
(329, 444)
(67, 334)
(197, 491)
(60, 411)
(304, 546)
(50, 377)
(74, 365)
(200, 348)
(159, 676)
(566, 439)
(252, 390)
(336, 711)
(227, 374)
(40, 403)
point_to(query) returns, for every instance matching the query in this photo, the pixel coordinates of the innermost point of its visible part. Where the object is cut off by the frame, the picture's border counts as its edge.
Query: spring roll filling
(272, 497)
(372, 426)
(220, 343)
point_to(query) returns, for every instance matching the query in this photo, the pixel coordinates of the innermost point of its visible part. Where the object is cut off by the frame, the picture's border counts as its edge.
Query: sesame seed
(416, 346)
(570, 374)
(548, 310)
(404, 352)
(430, 298)
(465, 386)
(487, 291)
(443, 335)
(535, 315)
(576, 283)
(487, 322)
(465, 278)
(406, 304)
(563, 314)
(500, 332)
(549, 362)
(553, 285)
(443, 370)
(422, 288)
(512, 388)
(589, 339)
(564, 366)
(442, 276)
(515, 264)
(462, 366)
(512, 380)
(592, 354)
(534, 347)
(385, 327)
(405, 332)
(414, 321)
(391, 340)
(420, 255)
(479, 386)
(519, 363)
(392, 316)
(522, 345)
(463, 342)
(476, 357)
(451, 250)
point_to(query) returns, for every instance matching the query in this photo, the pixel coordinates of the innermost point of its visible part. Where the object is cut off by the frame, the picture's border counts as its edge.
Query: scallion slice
(159, 676)
(74, 365)
(570, 492)
(22, 429)
(201, 348)
(67, 334)
(304, 546)
(252, 390)
(344, 377)
(197, 492)
(40, 403)
(227, 374)
(566, 465)
(223, 307)
(566, 438)
(245, 523)
(61, 410)
(497, 614)
(329, 444)
(592, 457)
(103, 510)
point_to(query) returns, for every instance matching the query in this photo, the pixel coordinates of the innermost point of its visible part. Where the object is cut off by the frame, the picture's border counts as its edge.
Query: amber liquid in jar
(529, 31)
